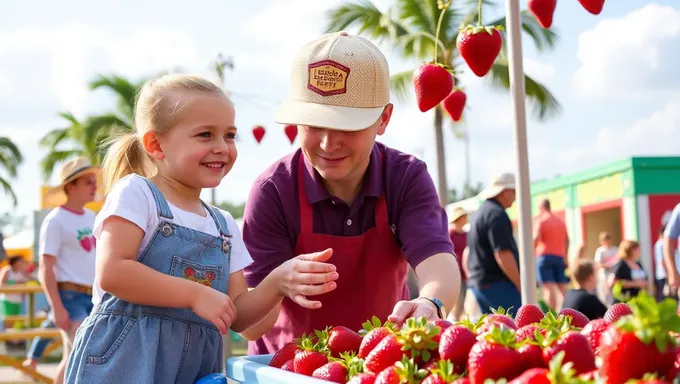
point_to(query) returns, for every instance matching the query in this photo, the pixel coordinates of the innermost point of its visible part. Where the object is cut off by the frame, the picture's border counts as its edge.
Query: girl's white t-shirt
(132, 199)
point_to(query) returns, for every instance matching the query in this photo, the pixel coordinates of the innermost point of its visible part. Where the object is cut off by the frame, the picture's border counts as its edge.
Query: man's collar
(372, 184)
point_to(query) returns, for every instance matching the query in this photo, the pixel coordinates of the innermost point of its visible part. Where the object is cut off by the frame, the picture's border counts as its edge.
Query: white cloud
(631, 55)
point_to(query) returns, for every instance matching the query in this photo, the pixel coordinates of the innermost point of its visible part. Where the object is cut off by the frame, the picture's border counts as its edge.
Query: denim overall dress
(122, 342)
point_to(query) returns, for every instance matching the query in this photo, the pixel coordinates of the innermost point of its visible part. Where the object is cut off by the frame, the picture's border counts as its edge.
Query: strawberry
(258, 132)
(495, 357)
(528, 314)
(311, 355)
(85, 239)
(442, 373)
(532, 376)
(291, 131)
(432, 83)
(462, 380)
(578, 319)
(528, 332)
(543, 11)
(414, 340)
(373, 332)
(501, 316)
(617, 311)
(454, 104)
(675, 370)
(342, 339)
(532, 356)
(589, 376)
(335, 372)
(592, 6)
(479, 46)
(362, 378)
(455, 345)
(556, 373)
(285, 354)
(403, 371)
(575, 346)
(592, 331)
(640, 343)
(289, 366)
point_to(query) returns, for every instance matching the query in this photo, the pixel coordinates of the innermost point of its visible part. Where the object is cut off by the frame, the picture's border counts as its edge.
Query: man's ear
(152, 145)
(385, 118)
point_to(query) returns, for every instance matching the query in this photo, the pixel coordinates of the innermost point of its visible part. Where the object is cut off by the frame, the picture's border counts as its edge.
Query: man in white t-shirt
(67, 251)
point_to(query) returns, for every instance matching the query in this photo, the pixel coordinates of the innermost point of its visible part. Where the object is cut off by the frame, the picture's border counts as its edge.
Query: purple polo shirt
(271, 220)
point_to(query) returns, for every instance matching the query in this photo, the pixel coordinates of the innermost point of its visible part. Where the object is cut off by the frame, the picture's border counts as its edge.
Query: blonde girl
(168, 283)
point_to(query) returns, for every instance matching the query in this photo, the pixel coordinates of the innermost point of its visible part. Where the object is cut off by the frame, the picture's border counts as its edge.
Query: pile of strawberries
(634, 342)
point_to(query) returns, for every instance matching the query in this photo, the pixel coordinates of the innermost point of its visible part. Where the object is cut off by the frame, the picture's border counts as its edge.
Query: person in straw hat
(493, 259)
(457, 220)
(67, 251)
(369, 209)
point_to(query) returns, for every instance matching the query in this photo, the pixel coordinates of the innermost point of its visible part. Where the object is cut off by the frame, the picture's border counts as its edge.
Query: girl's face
(199, 150)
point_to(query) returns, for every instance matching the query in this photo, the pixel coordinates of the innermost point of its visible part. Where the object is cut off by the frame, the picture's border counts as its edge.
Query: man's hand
(61, 318)
(414, 308)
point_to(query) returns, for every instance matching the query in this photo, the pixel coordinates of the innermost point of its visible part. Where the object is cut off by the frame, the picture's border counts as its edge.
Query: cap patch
(327, 78)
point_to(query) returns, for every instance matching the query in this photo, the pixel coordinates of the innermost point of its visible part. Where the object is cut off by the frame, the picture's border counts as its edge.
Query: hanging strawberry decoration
(454, 104)
(291, 131)
(592, 6)
(479, 45)
(258, 132)
(432, 81)
(543, 11)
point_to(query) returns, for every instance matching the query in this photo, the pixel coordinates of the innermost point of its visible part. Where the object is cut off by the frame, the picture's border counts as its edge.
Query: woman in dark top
(628, 271)
(582, 298)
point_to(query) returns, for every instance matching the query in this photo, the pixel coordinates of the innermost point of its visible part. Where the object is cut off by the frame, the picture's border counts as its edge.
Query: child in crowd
(169, 283)
(15, 272)
(605, 258)
(582, 298)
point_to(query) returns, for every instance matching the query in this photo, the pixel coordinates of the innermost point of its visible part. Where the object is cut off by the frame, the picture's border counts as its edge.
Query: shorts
(10, 308)
(78, 305)
(551, 269)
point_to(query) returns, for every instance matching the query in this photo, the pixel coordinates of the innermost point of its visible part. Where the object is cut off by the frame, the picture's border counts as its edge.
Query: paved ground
(9, 375)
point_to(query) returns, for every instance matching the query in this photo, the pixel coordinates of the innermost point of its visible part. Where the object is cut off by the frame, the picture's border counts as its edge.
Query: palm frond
(543, 103)
(8, 190)
(52, 158)
(401, 84)
(365, 16)
(543, 39)
(53, 138)
(10, 156)
(124, 89)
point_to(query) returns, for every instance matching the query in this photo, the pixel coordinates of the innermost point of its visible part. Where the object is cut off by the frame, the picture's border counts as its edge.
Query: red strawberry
(334, 372)
(289, 366)
(342, 339)
(556, 373)
(454, 104)
(501, 316)
(86, 244)
(576, 350)
(675, 370)
(403, 371)
(592, 6)
(529, 332)
(385, 354)
(258, 132)
(285, 354)
(362, 378)
(479, 47)
(441, 373)
(589, 376)
(495, 357)
(291, 131)
(462, 380)
(617, 311)
(528, 314)
(532, 376)
(311, 356)
(373, 332)
(455, 345)
(532, 356)
(592, 331)
(578, 319)
(432, 83)
(543, 11)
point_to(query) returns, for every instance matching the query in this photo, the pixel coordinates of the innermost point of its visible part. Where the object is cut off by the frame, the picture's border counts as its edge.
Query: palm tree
(126, 95)
(10, 159)
(411, 27)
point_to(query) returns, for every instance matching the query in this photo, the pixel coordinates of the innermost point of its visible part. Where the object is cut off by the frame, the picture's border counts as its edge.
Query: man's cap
(339, 81)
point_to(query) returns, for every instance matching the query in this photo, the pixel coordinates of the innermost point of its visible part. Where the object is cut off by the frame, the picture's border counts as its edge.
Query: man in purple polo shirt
(372, 208)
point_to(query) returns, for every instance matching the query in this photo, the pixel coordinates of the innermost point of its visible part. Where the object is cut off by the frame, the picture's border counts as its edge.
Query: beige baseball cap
(339, 81)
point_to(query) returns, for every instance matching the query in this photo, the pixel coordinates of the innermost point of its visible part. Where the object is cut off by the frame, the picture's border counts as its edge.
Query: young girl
(165, 259)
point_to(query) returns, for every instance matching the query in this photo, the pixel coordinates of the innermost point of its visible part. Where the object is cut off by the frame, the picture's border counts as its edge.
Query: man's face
(341, 155)
(508, 197)
(82, 189)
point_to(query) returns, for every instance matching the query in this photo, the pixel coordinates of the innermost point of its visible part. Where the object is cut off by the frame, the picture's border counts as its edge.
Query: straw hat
(68, 172)
(457, 213)
(498, 184)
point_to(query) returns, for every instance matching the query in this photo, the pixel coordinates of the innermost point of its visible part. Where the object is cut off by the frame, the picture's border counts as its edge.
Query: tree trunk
(442, 186)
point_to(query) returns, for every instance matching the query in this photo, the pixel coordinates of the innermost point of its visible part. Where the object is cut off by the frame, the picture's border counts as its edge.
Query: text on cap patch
(327, 78)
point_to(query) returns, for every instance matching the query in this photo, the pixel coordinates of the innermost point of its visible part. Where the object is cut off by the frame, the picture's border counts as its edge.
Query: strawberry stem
(443, 6)
(479, 12)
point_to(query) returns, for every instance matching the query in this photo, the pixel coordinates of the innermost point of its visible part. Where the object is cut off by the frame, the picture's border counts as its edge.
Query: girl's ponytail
(125, 155)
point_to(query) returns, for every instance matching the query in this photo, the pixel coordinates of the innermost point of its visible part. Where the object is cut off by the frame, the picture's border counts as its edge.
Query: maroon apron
(372, 278)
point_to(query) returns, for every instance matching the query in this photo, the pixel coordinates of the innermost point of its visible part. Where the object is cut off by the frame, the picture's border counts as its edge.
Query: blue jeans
(498, 294)
(40, 343)
(78, 305)
(550, 269)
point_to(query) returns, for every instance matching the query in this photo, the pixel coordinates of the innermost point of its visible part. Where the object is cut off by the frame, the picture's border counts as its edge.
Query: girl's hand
(306, 275)
(215, 307)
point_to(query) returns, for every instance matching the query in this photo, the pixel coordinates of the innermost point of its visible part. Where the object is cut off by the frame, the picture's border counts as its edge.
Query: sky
(612, 73)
